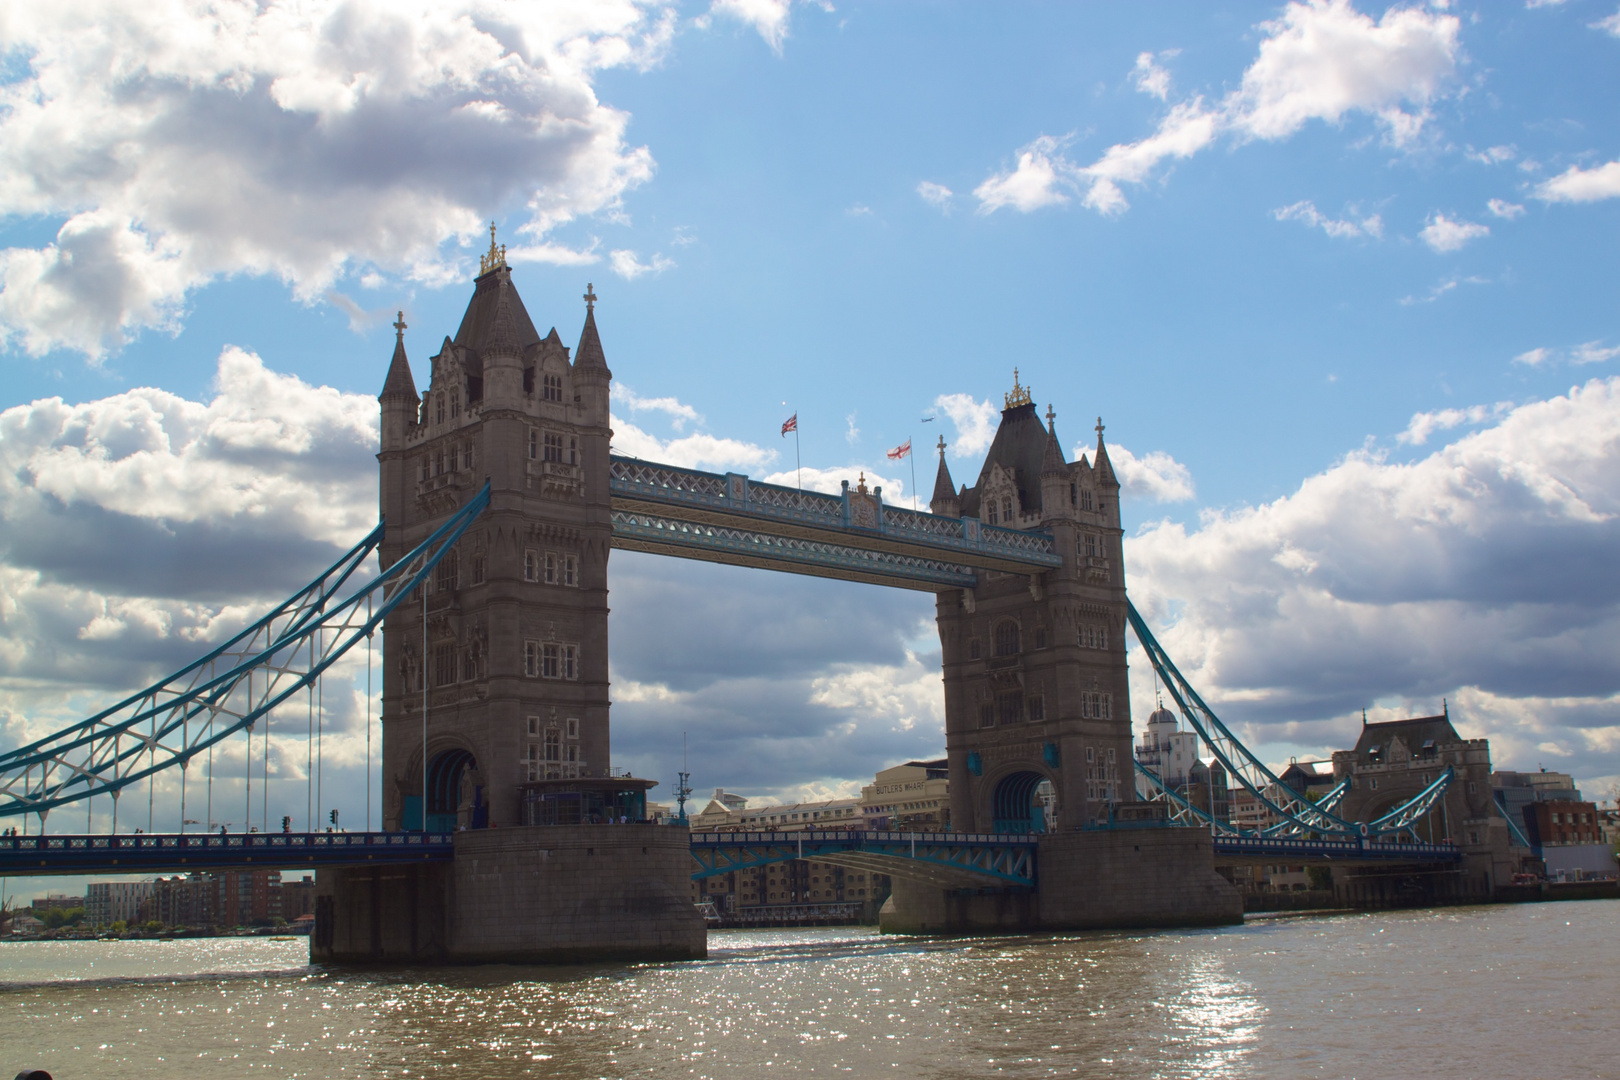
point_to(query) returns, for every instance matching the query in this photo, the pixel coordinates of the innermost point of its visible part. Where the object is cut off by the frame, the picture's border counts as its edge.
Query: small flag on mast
(790, 424)
(900, 451)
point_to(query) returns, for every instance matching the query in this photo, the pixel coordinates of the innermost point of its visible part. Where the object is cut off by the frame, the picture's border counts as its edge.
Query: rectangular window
(444, 575)
(554, 447)
(1095, 705)
(551, 568)
(1036, 707)
(1085, 500)
(424, 468)
(477, 569)
(1091, 754)
(573, 450)
(534, 444)
(570, 568)
(987, 715)
(570, 661)
(1040, 637)
(531, 565)
(1009, 707)
(444, 664)
(531, 658)
(553, 745)
(1091, 545)
(573, 727)
(550, 660)
(467, 456)
(469, 666)
(553, 387)
(1110, 755)
(534, 727)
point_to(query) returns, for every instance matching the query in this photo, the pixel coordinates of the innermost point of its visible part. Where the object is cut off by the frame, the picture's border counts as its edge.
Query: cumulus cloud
(1150, 77)
(678, 411)
(976, 422)
(1610, 25)
(1503, 209)
(1155, 475)
(698, 450)
(304, 141)
(1578, 185)
(1338, 228)
(1320, 60)
(1533, 357)
(1479, 570)
(1442, 234)
(770, 18)
(627, 266)
(1424, 424)
(935, 195)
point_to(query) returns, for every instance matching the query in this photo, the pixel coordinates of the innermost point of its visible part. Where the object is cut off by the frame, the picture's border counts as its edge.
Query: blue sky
(1329, 272)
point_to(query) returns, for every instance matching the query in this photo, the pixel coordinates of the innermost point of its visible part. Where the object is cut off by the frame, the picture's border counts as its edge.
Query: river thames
(1510, 991)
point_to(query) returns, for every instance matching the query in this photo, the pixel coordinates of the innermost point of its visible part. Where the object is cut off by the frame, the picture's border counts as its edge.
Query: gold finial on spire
(861, 485)
(496, 256)
(399, 326)
(1019, 395)
(590, 297)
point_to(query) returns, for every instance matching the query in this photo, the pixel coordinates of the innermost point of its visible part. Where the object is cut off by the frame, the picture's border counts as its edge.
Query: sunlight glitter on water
(1293, 998)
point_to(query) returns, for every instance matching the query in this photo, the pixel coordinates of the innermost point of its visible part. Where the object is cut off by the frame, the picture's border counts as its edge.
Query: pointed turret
(1052, 463)
(1105, 469)
(399, 385)
(589, 354)
(945, 501)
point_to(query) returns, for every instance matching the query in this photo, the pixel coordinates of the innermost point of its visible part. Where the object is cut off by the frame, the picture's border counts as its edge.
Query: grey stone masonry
(514, 653)
(1034, 667)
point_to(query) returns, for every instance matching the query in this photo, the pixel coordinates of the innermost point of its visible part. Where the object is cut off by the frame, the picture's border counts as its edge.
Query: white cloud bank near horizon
(181, 143)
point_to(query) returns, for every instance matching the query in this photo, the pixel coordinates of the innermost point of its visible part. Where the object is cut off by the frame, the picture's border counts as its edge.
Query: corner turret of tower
(591, 374)
(945, 500)
(399, 399)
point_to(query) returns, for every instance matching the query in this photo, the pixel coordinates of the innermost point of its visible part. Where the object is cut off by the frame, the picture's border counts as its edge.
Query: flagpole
(913, 457)
(798, 465)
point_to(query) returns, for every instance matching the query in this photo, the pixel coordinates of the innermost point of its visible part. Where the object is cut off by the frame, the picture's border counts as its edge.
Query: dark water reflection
(1521, 991)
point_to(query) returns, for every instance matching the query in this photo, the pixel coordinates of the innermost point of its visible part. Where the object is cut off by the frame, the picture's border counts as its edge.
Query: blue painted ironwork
(124, 853)
(948, 859)
(856, 521)
(226, 691)
(1519, 839)
(1359, 849)
(1297, 814)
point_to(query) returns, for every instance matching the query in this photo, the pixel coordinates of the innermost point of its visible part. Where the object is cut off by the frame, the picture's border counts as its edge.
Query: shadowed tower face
(1037, 706)
(512, 662)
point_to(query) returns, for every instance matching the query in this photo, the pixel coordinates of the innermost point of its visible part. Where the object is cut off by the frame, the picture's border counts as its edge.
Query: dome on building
(1162, 715)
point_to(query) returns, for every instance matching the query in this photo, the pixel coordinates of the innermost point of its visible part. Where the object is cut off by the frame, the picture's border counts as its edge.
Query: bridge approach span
(944, 860)
(172, 853)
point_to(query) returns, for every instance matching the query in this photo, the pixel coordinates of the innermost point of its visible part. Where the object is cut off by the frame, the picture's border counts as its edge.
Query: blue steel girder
(641, 531)
(187, 852)
(945, 859)
(226, 691)
(855, 520)
(1251, 848)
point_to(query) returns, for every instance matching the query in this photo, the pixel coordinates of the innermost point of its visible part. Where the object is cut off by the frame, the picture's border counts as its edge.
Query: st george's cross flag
(790, 424)
(900, 451)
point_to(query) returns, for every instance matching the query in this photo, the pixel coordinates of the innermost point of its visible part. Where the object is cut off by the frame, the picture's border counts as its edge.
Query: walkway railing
(187, 852)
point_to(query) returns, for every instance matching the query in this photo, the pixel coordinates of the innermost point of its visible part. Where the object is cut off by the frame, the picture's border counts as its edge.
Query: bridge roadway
(947, 860)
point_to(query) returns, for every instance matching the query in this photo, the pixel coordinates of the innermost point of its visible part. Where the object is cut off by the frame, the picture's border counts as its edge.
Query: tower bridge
(501, 502)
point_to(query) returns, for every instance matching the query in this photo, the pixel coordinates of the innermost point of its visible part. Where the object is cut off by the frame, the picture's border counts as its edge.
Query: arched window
(1007, 638)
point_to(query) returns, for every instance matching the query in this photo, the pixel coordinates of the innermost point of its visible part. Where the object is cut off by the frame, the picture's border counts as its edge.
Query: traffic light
(286, 823)
(332, 816)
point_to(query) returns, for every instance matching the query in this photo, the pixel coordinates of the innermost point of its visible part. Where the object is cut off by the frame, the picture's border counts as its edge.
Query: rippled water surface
(1462, 992)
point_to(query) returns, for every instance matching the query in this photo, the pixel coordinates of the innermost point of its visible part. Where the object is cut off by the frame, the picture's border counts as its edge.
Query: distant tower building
(514, 654)
(1037, 703)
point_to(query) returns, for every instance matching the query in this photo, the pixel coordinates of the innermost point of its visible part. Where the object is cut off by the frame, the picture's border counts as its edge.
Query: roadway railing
(185, 852)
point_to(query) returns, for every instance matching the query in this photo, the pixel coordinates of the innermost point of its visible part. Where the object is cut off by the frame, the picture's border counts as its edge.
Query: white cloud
(1424, 424)
(1321, 60)
(1032, 183)
(1155, 475)
(770, 18)
(698, 450)
(852, 434)
(830, 480)
(627, 266)
(1150, 77)
(1504, 209)
(1610, 25)
(1593, 352)
(976, 422)
(1577, 185)
(183, 144)
(936, 195)
(1442, 234)
(1339, 229)
(678, 411)
(1493, 155)
(1533, 357)
(1475, 567)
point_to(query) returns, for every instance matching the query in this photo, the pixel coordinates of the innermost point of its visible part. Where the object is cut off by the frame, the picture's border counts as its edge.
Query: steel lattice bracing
(1296, 814)
(165, 853)
(854, 536)
(948, 860)
(228, 690)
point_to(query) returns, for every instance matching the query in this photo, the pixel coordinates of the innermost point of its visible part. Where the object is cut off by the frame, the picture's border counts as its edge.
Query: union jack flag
(900, 451)
(790, 424)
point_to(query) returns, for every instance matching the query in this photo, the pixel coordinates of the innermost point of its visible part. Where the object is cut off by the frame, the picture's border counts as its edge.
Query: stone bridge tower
(1037, 704)
(514, 653)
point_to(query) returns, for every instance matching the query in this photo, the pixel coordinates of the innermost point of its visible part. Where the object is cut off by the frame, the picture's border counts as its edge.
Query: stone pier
(540, 894)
